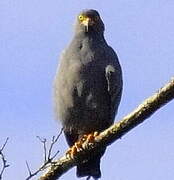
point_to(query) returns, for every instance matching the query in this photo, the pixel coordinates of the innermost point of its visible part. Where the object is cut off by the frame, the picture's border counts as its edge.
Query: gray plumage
(88, 86)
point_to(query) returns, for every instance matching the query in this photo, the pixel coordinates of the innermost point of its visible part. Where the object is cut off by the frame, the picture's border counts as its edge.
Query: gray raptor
(87, 86)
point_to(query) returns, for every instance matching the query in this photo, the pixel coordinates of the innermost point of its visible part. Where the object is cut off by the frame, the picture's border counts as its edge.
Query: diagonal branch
(116, 131)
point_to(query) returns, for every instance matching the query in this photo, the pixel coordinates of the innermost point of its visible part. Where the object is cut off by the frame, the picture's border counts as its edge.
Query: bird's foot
(90, 137)
(78, 146)
(74, 149)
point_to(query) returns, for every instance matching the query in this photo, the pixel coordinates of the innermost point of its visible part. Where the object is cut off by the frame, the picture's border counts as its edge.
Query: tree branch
(48, 157)
(4, 161)
(113, 133)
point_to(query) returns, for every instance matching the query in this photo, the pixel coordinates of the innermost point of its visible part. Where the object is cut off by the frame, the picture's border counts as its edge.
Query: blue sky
(33, 34)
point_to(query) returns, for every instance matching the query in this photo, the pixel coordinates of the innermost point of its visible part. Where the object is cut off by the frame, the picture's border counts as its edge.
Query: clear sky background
(33, 34)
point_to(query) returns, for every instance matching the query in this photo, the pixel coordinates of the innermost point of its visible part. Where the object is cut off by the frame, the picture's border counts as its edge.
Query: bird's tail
(91, 167)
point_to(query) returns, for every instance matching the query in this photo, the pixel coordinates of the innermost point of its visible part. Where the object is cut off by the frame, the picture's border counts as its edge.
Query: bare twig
(48, 157)
(113, 133)
(34, 173)
(28, 167)
(4, 161)
(54, 140)
(43, 141)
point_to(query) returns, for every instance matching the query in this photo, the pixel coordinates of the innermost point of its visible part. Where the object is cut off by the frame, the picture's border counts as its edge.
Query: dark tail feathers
(90, 168)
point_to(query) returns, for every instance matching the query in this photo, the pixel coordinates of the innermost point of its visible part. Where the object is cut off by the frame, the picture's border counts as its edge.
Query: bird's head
(90, 21)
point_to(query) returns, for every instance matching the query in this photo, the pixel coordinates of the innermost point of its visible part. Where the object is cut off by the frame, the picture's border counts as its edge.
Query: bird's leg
(75, 148)
(90, 137)
(78, 146)
(71, 151)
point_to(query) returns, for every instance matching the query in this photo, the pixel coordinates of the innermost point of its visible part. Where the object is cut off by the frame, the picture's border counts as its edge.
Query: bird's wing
(114, 86)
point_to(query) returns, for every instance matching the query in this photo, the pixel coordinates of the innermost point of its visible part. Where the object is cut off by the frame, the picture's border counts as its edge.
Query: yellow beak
(86, 21)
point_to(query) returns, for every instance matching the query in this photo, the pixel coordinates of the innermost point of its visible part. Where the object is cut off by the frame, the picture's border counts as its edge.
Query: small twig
(34, 173)
(28, 168)
(4, 161)
(48, 158)
(52, 144)
(3, 146)
(43, 141)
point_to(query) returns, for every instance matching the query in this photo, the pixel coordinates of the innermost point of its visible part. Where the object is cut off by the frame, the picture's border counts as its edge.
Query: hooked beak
(87, 22)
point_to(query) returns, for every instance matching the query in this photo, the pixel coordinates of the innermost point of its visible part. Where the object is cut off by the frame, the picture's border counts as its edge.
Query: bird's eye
(81, 17)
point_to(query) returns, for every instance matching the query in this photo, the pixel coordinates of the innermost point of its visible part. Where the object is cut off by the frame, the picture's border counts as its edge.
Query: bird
(87, 86)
